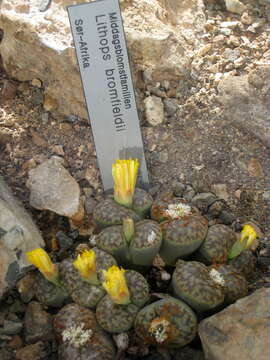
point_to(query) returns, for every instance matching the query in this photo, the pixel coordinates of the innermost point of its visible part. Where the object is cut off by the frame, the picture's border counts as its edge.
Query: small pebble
(25, 287)
(154, 110)
(189, 193)
(9, 90)
(64, 241)
(235, 6)
(36, 82)
(16, 342)
(246, 18)
(11, 327)
(178, 189)
(216, 208)
(45, 118)
(49, 103)
(226, 217)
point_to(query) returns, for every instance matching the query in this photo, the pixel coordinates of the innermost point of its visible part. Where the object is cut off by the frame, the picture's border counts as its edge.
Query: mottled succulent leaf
(192, 283)
(182, 237)
(217, 244)
(108, 213)
(176, 323)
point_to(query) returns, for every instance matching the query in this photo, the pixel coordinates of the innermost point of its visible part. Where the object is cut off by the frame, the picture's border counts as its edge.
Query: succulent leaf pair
(133, 245)
(206, 288)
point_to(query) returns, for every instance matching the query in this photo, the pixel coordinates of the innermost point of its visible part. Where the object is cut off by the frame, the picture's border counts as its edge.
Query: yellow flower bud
(248, 235)
(116, 286)
(40, 259)
(124, 174)
(86, 265)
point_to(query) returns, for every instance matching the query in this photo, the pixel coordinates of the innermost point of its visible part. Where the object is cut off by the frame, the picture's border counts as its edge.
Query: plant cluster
(209, 265)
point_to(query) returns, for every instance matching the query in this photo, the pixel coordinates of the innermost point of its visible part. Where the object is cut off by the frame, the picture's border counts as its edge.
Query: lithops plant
(247, 237)
(80, 337)
(184, 229)
(234, 284)
(127, 292)
(244, 263)
(194, 283)
(168, 322)
(217, 244)
(49, 294)
(48, 286)
(83, 279)
(127, 201)
(108, 213)
(132, 244)
(39, 258)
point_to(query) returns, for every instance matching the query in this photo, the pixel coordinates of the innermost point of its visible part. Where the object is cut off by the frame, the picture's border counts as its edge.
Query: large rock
(53, 188)
(239, 332)
(18, 234)
(38, 44)
(247, 101)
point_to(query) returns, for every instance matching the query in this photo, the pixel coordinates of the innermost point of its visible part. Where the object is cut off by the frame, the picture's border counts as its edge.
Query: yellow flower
(40, 259)
(86, 265)
(248, 235)
(124, 174)
(116, 286)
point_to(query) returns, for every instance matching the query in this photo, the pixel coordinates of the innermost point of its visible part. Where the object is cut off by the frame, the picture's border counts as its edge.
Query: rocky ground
(210, 128)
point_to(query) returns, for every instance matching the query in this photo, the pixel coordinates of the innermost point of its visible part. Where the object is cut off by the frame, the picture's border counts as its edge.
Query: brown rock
(25, 287)
(37, 323)
(16, 342)
(255, 168)
(239, 332)
(50, 104)
(9, 90)
(32, 352)
(38, 140)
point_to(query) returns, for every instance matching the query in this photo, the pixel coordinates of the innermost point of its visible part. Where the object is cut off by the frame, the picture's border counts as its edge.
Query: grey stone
(231, 54)
(203, 200)
(189, 193)
(246, 99)
(235, 6)
(64, 241)
(19, 235)
(90, 204)
(239, 332)
(266, 195)
(226, 217)
(37, 97)
(53, 188)
(221, 191)
(178, 188)
(11, 327)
